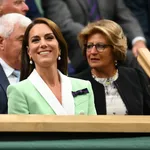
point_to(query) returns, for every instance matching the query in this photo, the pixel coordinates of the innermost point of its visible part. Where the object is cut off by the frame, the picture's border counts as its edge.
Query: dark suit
(3, 87)
(132, 87)
(72, 15)
(33, 10)
(141, 10)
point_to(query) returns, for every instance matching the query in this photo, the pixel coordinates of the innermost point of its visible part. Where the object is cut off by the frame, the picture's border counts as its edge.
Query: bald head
(13, 6)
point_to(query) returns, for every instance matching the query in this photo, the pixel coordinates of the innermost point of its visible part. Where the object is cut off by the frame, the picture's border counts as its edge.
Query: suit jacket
(33, 96)
(141, 10)
(72, 15)
(132, 87)
(3, 86)
(33, 10)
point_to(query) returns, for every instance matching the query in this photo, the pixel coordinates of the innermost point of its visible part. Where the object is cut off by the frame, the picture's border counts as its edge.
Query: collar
(7, 69)
(67, 107)
(106, 81)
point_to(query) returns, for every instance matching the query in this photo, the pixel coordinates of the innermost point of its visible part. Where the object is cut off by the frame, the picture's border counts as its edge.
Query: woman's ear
(59, 52)
(27, 48)
(1, 10)
(28, 51)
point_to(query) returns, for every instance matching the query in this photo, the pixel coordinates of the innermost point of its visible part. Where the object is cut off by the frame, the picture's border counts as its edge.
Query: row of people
(75, 93)
(127, 21)
(45, 87)
(73, 16)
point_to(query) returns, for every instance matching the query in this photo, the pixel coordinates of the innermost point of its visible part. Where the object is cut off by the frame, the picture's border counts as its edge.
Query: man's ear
(1, 43)
(1, 10)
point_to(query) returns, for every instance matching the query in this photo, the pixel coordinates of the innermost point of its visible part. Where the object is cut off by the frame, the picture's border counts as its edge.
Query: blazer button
(81, 112)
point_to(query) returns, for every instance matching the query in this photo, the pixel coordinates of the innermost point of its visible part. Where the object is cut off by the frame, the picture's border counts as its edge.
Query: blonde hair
(113, 33)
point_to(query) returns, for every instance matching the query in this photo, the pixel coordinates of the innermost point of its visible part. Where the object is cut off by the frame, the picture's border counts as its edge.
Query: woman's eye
(35, 40)
(50, 37)
(89, 46)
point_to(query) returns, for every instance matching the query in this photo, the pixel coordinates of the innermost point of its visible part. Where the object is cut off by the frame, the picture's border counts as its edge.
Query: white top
(114, 103)
(9, 72)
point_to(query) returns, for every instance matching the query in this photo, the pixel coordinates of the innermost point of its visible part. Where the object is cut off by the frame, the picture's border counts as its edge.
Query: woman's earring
(116, 64)
(31, 62)
(59, 58)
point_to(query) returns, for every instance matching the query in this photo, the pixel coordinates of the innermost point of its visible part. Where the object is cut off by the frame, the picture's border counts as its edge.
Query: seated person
(12, 29)
(44, 86)
(73, 15)
(117, 90)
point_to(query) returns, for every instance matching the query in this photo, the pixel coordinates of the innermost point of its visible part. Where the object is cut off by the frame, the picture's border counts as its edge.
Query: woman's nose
(43, 43)
(94, 50)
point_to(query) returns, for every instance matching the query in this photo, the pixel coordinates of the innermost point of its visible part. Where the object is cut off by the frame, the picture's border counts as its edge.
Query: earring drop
(59, 58)
(31, 62)
(116, 63)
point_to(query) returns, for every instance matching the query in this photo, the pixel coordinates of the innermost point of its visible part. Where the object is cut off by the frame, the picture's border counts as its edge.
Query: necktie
(16, 73)
(93, 10)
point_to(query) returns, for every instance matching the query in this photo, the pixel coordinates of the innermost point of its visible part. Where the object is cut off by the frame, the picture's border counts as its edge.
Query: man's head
(13, 6)
(12, 28)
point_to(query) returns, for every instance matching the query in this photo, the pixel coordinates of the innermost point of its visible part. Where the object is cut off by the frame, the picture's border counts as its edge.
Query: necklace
(106, 81)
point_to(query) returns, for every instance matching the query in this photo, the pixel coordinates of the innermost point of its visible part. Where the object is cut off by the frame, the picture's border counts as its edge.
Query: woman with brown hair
(45, 87)
(117, 90)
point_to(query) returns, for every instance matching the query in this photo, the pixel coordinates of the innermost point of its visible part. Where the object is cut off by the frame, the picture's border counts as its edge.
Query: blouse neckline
(106, 81)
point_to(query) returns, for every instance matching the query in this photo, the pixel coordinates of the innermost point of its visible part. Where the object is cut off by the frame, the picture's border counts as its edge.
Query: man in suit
(8, 6)
(141, 10)
(33, 10)
(13, 6)
(12, 28)
(72, 16)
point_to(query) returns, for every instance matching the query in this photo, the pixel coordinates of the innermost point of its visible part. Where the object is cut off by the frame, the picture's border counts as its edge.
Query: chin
(94, 66)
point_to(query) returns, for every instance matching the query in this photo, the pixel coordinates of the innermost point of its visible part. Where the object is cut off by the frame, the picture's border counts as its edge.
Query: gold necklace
(106, 81)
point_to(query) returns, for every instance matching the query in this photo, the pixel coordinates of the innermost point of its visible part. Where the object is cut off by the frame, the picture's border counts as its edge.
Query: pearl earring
(116, 63)
(31, 62)
(59, 58)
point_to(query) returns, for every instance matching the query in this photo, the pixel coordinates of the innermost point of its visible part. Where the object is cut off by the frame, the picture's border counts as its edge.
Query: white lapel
(45, 91)
(67, 98)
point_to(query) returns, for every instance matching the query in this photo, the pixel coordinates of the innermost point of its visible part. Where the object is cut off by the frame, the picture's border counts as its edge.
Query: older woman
(45, 87)
(117, 90)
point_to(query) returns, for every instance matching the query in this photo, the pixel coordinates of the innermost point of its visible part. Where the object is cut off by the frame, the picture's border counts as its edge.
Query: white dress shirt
(9, 72)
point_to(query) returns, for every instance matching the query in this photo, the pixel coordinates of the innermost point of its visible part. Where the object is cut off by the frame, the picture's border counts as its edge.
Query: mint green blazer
(24, 98)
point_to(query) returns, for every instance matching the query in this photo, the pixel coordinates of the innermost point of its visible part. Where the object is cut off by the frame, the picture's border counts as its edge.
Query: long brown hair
(26, 67)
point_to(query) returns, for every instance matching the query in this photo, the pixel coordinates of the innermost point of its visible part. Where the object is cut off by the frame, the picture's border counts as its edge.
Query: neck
(49, 75)
(13, 64)
(104, 73)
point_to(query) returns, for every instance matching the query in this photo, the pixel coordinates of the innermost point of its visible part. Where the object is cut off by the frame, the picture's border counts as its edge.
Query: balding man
(13, 6)
(12, 29)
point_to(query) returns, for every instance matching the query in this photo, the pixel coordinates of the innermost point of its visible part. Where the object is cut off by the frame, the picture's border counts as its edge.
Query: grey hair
(8, 22)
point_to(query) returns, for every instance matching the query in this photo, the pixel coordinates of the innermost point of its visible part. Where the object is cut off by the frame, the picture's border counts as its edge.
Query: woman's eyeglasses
(99, 46)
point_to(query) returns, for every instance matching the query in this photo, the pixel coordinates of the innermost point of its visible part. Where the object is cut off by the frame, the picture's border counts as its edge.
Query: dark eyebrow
(49, 34)
(36, 36)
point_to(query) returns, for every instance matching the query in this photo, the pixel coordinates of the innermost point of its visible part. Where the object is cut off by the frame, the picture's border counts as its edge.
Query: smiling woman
(45, 87)
(117, 90)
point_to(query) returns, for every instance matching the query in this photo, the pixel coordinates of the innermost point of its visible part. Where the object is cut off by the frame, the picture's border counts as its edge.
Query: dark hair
(26, 67)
